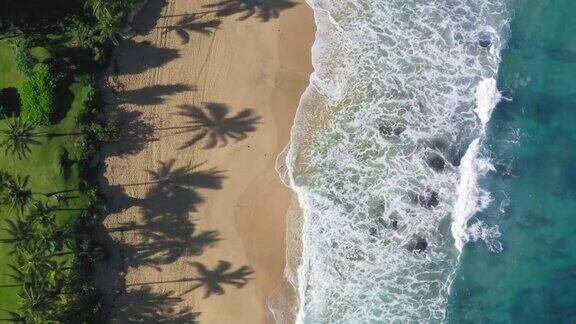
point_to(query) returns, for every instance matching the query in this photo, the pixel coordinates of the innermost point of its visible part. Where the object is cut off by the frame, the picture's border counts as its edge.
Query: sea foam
(472, 199)
(385, 154)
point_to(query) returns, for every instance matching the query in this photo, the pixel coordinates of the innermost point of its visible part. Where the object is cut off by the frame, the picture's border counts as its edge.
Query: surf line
(470, 197)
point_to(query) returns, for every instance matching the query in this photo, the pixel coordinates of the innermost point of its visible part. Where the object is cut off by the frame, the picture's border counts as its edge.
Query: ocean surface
(433, 159)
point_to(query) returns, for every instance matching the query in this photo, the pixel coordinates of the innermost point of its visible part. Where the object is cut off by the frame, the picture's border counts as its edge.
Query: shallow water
(531, 139)
(400, 94)
(433, 156)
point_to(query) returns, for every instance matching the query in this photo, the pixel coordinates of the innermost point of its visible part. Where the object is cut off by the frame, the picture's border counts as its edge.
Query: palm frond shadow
(152, 95)
(156, 251)
(214, 125)
(137, 57)
(134, 132)
(190, 23)
(144, 306)
(214, 280)
(261, 9)
(168, 233)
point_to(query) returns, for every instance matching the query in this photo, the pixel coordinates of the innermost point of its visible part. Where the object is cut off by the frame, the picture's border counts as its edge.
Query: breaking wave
(386, 153)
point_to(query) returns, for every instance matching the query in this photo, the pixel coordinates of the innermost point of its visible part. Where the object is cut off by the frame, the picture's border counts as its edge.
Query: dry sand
(198, 226)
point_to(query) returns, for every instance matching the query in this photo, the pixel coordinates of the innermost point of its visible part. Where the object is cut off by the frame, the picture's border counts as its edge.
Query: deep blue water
(532, 138)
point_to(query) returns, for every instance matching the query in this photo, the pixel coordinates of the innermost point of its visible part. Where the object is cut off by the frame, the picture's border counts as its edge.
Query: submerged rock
(394, 224)
(373, 231)
(391, 223)
(389, 129)
(429, 199)
(418, 244)
(436, 162)
(485, 43)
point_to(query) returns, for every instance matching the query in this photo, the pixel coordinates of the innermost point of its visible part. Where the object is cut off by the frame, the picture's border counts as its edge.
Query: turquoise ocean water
(433, 156)
(532, 139)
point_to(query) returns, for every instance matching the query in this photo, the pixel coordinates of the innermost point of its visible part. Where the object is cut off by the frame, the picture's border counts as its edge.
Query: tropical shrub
(24, 60)
(37, 96)
(84, 149)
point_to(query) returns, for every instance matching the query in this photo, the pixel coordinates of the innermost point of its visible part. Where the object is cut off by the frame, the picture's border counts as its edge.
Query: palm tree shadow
(152, 95)
(134, 132)
(156, 252)
(186, 176)
(167, 232)
(137, 57)
(214, 280)
(214, 125)
(144, 306)
(148, 16)
(261, 9)
(189, 23)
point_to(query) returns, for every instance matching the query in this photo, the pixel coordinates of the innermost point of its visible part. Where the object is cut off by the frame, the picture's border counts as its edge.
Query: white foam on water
(395, 90)
(471, 198)
(487, 96)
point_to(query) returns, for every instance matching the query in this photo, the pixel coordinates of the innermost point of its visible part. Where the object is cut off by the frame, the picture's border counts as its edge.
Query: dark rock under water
(418, 244)
(429, 199)
(390, 129)
(436, 162)
(485, 43)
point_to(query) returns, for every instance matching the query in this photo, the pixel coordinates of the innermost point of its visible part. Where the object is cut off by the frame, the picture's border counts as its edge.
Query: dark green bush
(37, 96)
(84, 149)
(24, 60)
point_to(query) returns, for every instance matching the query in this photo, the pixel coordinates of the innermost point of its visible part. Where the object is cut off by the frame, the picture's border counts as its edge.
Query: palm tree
(16, 193)
(43, 223)
(18, 137)
(33, 260)
(108, 30)
(33, 305)
(99, 8)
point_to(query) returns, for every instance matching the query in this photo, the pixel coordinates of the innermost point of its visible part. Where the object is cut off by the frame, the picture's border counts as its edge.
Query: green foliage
(84, 148)
(80, 30)
(3, 112)
(16, 193)
(37, 95)
(17, 138)
(25, 62)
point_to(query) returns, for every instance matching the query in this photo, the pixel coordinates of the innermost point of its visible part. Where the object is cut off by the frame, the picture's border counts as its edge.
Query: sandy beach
(205, 96)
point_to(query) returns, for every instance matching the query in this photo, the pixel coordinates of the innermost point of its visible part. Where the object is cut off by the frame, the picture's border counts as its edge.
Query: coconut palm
(33, 260)
(33, 305)
(43, 223)
(16, 193)
(17, 138)
(108, 30)
(99, 8)
(42, 214)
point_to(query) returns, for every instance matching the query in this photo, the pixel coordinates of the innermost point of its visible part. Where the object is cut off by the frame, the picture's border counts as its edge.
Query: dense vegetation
(37, 96)
(51, 127)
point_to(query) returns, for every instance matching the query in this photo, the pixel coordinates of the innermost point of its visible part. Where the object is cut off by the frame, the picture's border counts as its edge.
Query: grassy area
(43, 165)
(9, 75)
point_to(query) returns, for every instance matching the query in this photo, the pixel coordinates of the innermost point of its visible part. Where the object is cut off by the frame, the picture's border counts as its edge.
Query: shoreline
(231, 216)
